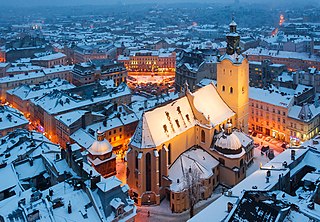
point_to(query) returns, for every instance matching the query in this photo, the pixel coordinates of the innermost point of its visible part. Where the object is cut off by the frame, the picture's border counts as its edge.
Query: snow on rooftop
(198, 160)
(212, 107)
(54, 56)
(163, 123)
(20, 77)
(11, 118)
(270, 97)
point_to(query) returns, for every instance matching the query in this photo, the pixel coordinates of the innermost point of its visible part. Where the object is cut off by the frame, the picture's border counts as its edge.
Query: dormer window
(178, 124)
(165, 128)
(187, 116)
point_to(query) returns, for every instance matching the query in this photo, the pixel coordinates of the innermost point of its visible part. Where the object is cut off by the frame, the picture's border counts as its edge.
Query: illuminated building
(149, 61)
(233, 79)
(193, 125)
(268, 113)
(282, 116)
(94, 97)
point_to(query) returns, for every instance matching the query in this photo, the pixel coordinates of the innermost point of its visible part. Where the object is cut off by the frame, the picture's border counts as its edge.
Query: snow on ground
(258, 159)
(163, 211)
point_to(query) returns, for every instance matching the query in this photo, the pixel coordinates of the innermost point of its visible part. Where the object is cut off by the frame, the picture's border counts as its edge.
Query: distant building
(51, 60)
(13, 81)
(89, 72)
(193, 66)
(149, 61)
(311, 77)
(293, 60)
(261, 74)
(86, 53)
(21, 96)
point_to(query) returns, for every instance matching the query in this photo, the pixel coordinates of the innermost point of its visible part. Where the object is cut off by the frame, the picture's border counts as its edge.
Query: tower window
(242, 90)
(231, 90)
(223, 88)
(203, 136)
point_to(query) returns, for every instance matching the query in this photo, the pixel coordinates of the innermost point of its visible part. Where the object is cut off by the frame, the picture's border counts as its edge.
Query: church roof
(231, 142)
(200, 162)
(163, 123)
(208, 101)
(100, 147)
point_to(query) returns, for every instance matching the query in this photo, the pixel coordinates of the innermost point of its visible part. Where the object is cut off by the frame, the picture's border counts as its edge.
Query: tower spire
(233, 39)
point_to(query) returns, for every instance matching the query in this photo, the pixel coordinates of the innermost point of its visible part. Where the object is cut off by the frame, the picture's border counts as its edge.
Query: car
(260, 135)
(268, 139)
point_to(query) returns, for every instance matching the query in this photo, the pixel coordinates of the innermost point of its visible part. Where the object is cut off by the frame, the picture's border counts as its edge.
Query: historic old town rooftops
(56, 102)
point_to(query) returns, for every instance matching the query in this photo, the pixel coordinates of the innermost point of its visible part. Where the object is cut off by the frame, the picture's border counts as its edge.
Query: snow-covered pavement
(163, 213)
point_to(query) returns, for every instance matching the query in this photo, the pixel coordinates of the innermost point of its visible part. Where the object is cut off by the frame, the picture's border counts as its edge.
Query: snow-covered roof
(26, 92)
(107, 184)
(165, 122)
(54, 56)
(304, 113)
(200, 162)
(100, 147)
(270, 97)
(281, 54)
(231, 142)
(21, 77)
(208, 102)
(11, 118)
(24, 143)
(151, 131)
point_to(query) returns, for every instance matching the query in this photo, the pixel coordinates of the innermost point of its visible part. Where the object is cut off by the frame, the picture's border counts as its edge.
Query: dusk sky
(103, 2)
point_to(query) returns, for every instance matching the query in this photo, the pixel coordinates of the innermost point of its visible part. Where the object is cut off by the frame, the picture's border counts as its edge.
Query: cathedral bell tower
(233, 78)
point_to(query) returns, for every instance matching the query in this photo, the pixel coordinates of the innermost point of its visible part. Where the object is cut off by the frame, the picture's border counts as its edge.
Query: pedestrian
(148, 213)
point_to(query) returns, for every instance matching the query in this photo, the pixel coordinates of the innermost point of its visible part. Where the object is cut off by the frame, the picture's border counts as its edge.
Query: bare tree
(193, 182)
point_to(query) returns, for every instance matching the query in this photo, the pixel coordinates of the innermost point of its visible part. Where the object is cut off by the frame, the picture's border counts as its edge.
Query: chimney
(229, 206)
(31, 161)
(293, 154)
(268, 173)
(69, 208)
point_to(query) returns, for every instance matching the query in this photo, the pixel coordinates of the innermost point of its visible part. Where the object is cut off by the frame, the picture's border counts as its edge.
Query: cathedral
(202, 132)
